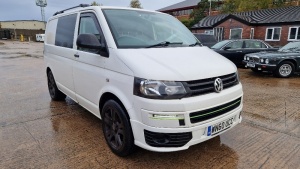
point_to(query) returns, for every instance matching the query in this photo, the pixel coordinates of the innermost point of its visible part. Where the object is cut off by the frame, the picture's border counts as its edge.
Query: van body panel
(178, 64)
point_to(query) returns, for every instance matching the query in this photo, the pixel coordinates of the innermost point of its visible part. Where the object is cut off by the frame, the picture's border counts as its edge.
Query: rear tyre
(285, 69)
(117, 129)
(54, 92)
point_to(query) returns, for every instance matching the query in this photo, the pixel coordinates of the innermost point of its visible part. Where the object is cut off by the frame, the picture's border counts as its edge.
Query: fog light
(167, 117)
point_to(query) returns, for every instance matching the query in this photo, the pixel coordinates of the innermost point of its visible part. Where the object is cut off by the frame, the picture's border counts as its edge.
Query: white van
(144, 74)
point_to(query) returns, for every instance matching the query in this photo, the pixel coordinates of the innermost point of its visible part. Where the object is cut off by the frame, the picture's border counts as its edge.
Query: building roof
(22, 21)
(183, 4)
(258, 17)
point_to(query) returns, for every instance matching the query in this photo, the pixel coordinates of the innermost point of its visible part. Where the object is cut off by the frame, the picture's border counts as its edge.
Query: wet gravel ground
(36, 132)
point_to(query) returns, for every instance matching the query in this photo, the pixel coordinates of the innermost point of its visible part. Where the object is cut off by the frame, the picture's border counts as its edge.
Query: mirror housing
(226, 48)
(89, 41)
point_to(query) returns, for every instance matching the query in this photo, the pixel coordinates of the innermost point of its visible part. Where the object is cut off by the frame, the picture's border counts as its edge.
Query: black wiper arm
(165, 43)
(195, 44)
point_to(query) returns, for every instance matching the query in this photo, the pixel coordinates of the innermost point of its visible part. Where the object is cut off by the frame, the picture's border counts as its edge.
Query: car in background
(283, 63)
(206, 39)
(40, 37)
(235, 50)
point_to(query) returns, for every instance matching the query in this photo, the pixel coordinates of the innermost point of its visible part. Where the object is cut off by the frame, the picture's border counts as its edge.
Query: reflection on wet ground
(36, 132)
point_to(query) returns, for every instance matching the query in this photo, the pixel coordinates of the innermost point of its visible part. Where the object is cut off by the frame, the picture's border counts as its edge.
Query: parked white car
(144, 74)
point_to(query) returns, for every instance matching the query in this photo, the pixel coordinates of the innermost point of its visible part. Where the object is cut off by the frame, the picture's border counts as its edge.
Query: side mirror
(227, 47)
(89, 41)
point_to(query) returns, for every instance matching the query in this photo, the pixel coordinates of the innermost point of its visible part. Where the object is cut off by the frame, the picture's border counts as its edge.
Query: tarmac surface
(36, 132)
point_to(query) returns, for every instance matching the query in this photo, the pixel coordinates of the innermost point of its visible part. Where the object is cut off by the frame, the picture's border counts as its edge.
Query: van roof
(86, 6)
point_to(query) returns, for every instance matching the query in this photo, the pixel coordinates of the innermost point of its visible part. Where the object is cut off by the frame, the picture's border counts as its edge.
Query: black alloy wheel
(54, 92)
(117, 129)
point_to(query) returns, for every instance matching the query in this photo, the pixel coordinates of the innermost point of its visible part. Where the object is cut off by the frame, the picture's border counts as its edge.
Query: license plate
(219, 127)
(251, 64)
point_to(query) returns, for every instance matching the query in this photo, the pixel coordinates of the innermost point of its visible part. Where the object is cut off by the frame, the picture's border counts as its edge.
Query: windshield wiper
(195, 44)
(165, 43)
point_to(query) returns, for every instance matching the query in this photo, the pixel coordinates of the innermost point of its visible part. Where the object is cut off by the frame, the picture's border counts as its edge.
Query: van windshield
(142, 29)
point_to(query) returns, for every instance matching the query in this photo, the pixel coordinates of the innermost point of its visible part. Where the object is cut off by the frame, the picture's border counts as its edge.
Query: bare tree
(135, 4)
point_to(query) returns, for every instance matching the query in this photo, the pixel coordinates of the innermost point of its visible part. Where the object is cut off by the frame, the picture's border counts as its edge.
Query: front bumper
(260, 66)
(198, 133)
(146, 128)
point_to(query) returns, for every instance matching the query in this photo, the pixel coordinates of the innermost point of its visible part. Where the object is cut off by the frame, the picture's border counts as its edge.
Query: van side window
(65, 31)
(89, 25)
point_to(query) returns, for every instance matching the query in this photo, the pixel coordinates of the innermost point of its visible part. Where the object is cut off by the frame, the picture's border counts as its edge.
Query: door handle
(76, 55)
(239, 51)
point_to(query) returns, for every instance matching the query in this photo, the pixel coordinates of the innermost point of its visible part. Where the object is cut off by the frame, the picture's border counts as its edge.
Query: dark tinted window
(89, 25)
(235, 45)
(206, 40)
(254, 44)
(65, 31)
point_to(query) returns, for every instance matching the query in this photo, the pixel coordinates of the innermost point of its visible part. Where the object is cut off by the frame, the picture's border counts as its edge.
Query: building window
(236, 33)
(252, 33)
(209, 32)
(273, 34)
(294, 33)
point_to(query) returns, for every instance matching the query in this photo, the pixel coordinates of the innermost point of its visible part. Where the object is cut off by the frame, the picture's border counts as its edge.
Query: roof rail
(81, 5)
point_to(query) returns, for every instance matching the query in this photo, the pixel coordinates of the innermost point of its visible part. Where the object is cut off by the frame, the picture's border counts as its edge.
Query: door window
(254, 44)
(89, 25)
(235, 45)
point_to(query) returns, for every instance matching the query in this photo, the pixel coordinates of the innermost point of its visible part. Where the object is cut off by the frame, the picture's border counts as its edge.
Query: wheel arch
(290, 60)
(110, 96)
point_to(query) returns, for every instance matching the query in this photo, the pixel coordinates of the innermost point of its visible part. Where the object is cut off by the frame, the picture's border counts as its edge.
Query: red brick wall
(198, 31)
(231, 24)
(259, 31)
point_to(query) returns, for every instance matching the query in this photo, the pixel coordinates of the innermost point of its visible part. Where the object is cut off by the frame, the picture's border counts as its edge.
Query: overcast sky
(27, 10)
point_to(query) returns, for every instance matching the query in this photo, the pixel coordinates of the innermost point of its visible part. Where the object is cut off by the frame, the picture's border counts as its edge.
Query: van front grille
(205, 86)
(203, 115)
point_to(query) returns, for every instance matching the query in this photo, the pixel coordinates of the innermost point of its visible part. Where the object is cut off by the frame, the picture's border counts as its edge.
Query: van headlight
(156, 89)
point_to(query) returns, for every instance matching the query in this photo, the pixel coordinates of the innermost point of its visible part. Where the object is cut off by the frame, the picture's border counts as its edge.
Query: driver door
(89, 69)
(234, 51)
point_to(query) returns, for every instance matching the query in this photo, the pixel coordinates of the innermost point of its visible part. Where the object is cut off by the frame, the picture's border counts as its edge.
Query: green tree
(135, 4)
(202, 10)
(231, 6)
(94, 3)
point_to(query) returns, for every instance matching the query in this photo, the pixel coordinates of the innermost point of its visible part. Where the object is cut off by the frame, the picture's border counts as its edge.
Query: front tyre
(117, 129)
(54, 92)
(285, 69)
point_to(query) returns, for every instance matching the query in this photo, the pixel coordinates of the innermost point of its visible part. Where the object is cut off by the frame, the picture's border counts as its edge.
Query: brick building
(27, 28)
(182, 10)
(275, 26)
